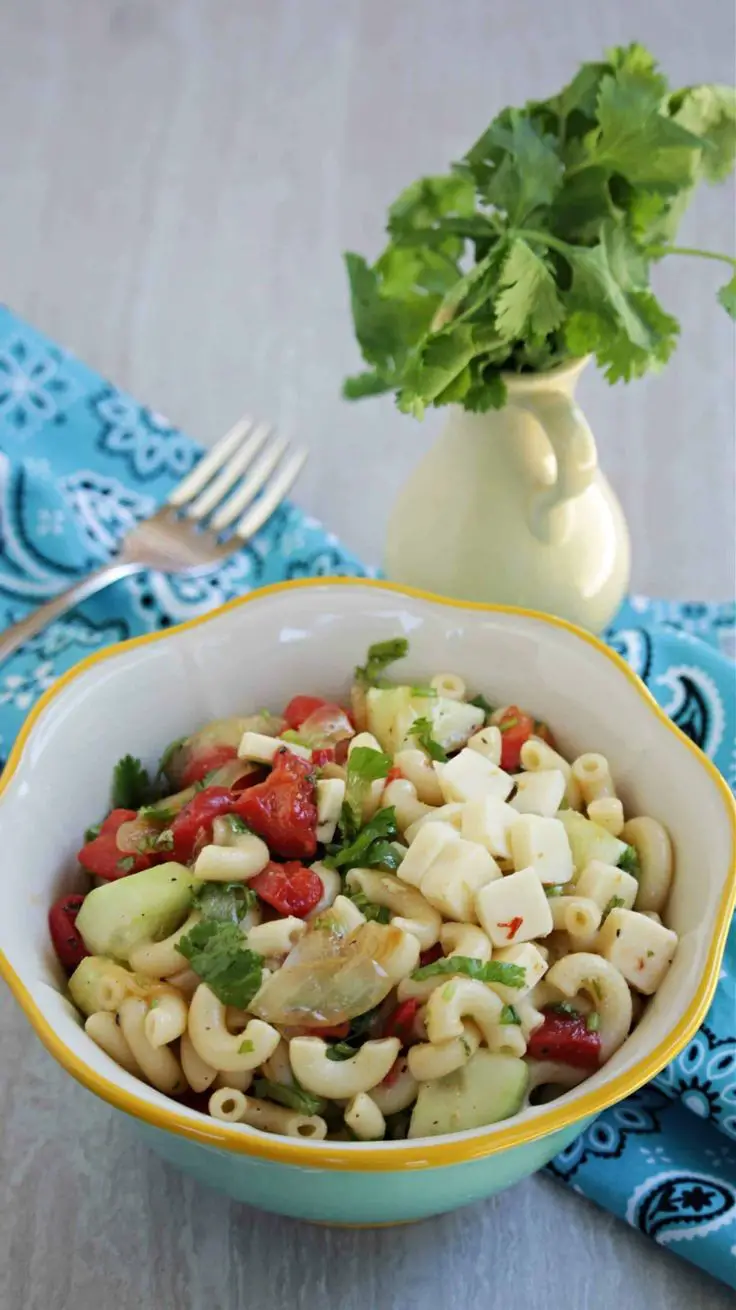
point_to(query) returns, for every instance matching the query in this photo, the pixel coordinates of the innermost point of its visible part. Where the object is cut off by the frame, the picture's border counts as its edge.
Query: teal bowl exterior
(344, 1197)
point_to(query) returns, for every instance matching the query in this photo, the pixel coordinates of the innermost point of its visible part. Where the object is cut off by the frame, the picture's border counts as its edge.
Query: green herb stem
(658, 252)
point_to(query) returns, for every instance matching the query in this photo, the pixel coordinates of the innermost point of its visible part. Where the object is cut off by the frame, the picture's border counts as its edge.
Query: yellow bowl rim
(362, 1157)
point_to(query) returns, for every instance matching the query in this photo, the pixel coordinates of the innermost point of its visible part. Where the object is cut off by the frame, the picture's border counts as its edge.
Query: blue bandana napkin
(80, 462)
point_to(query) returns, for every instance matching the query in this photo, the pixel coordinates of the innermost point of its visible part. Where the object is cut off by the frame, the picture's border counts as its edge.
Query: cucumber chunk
(389, 715)
(488, 1088)
(589, 841)
(391, 711)
(145, 906)
(100, 984)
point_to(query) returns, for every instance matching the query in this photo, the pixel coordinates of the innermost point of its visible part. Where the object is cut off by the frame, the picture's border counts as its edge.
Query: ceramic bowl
(307, 637)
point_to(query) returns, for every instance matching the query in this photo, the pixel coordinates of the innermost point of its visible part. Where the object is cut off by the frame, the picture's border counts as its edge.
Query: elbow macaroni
(343, 1079)
(607, 988)
(363, 1116)
(158, 1064)
(593, 776)
(217, 1046)
(654, 848)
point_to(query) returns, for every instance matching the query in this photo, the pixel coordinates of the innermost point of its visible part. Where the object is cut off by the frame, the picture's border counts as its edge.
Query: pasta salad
(406, 917)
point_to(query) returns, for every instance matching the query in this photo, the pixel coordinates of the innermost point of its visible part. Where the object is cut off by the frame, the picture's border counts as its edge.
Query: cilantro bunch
(537, 247)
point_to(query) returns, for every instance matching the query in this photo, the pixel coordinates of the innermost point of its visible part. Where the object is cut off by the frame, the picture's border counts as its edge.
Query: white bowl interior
(309, 640)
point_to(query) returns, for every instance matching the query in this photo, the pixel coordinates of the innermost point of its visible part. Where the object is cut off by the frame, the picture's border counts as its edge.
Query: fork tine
(209, 464)
(249, 488)
(272, 496)
(228, 476)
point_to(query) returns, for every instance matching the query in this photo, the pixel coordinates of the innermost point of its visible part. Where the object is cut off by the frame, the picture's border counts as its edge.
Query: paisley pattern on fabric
(80, 462)
(675, 1207)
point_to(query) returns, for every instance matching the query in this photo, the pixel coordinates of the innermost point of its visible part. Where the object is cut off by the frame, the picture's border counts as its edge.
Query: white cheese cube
(453, 721)
(330, 796)
(514, 909)
(539, 793)
(427, 846)
(604, 883)
(451, 814)
(261, 749)
(451, 882)
(487, 742)
(469, 776)
(640, 949)
(489, 822)
(530, 960)
(542, 844)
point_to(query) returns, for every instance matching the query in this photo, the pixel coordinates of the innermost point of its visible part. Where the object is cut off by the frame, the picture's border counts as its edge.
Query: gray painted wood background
(178, 180)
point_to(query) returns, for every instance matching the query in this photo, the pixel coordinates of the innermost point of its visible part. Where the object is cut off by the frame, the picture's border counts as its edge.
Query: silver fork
(210, 514)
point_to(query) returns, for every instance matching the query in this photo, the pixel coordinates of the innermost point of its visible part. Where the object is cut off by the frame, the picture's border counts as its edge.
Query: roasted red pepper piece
(517, 727)
(400, 1023)
(567, 1038)
(301, 708)
(68, 944)
(430, 955)
(282, 809)
(102, 856)
(392, 1074)
(289, 888)
(192, 827)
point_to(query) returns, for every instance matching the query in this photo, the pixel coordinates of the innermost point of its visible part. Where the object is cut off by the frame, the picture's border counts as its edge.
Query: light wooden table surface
(179, 178)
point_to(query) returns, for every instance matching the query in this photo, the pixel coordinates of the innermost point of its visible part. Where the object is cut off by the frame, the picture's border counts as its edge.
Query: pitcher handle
(572, 443)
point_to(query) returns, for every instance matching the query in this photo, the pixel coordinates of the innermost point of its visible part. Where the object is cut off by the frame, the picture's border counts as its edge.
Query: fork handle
(32, 624)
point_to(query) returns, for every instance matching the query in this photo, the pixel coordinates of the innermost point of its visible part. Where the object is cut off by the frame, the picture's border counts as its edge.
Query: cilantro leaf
(422, 729)
(365, 766)
(380, 655)
(130, 784)
(92, 832)
(224, 902)
(493, 971)
(629, 862)
(372, 846)
(709, 112)
(635, 138)
(293, 1097)
(217, 953)
(525, 170)
(528, 297)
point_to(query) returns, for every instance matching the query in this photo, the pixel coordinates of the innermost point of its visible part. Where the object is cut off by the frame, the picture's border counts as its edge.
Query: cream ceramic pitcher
(510, 507)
